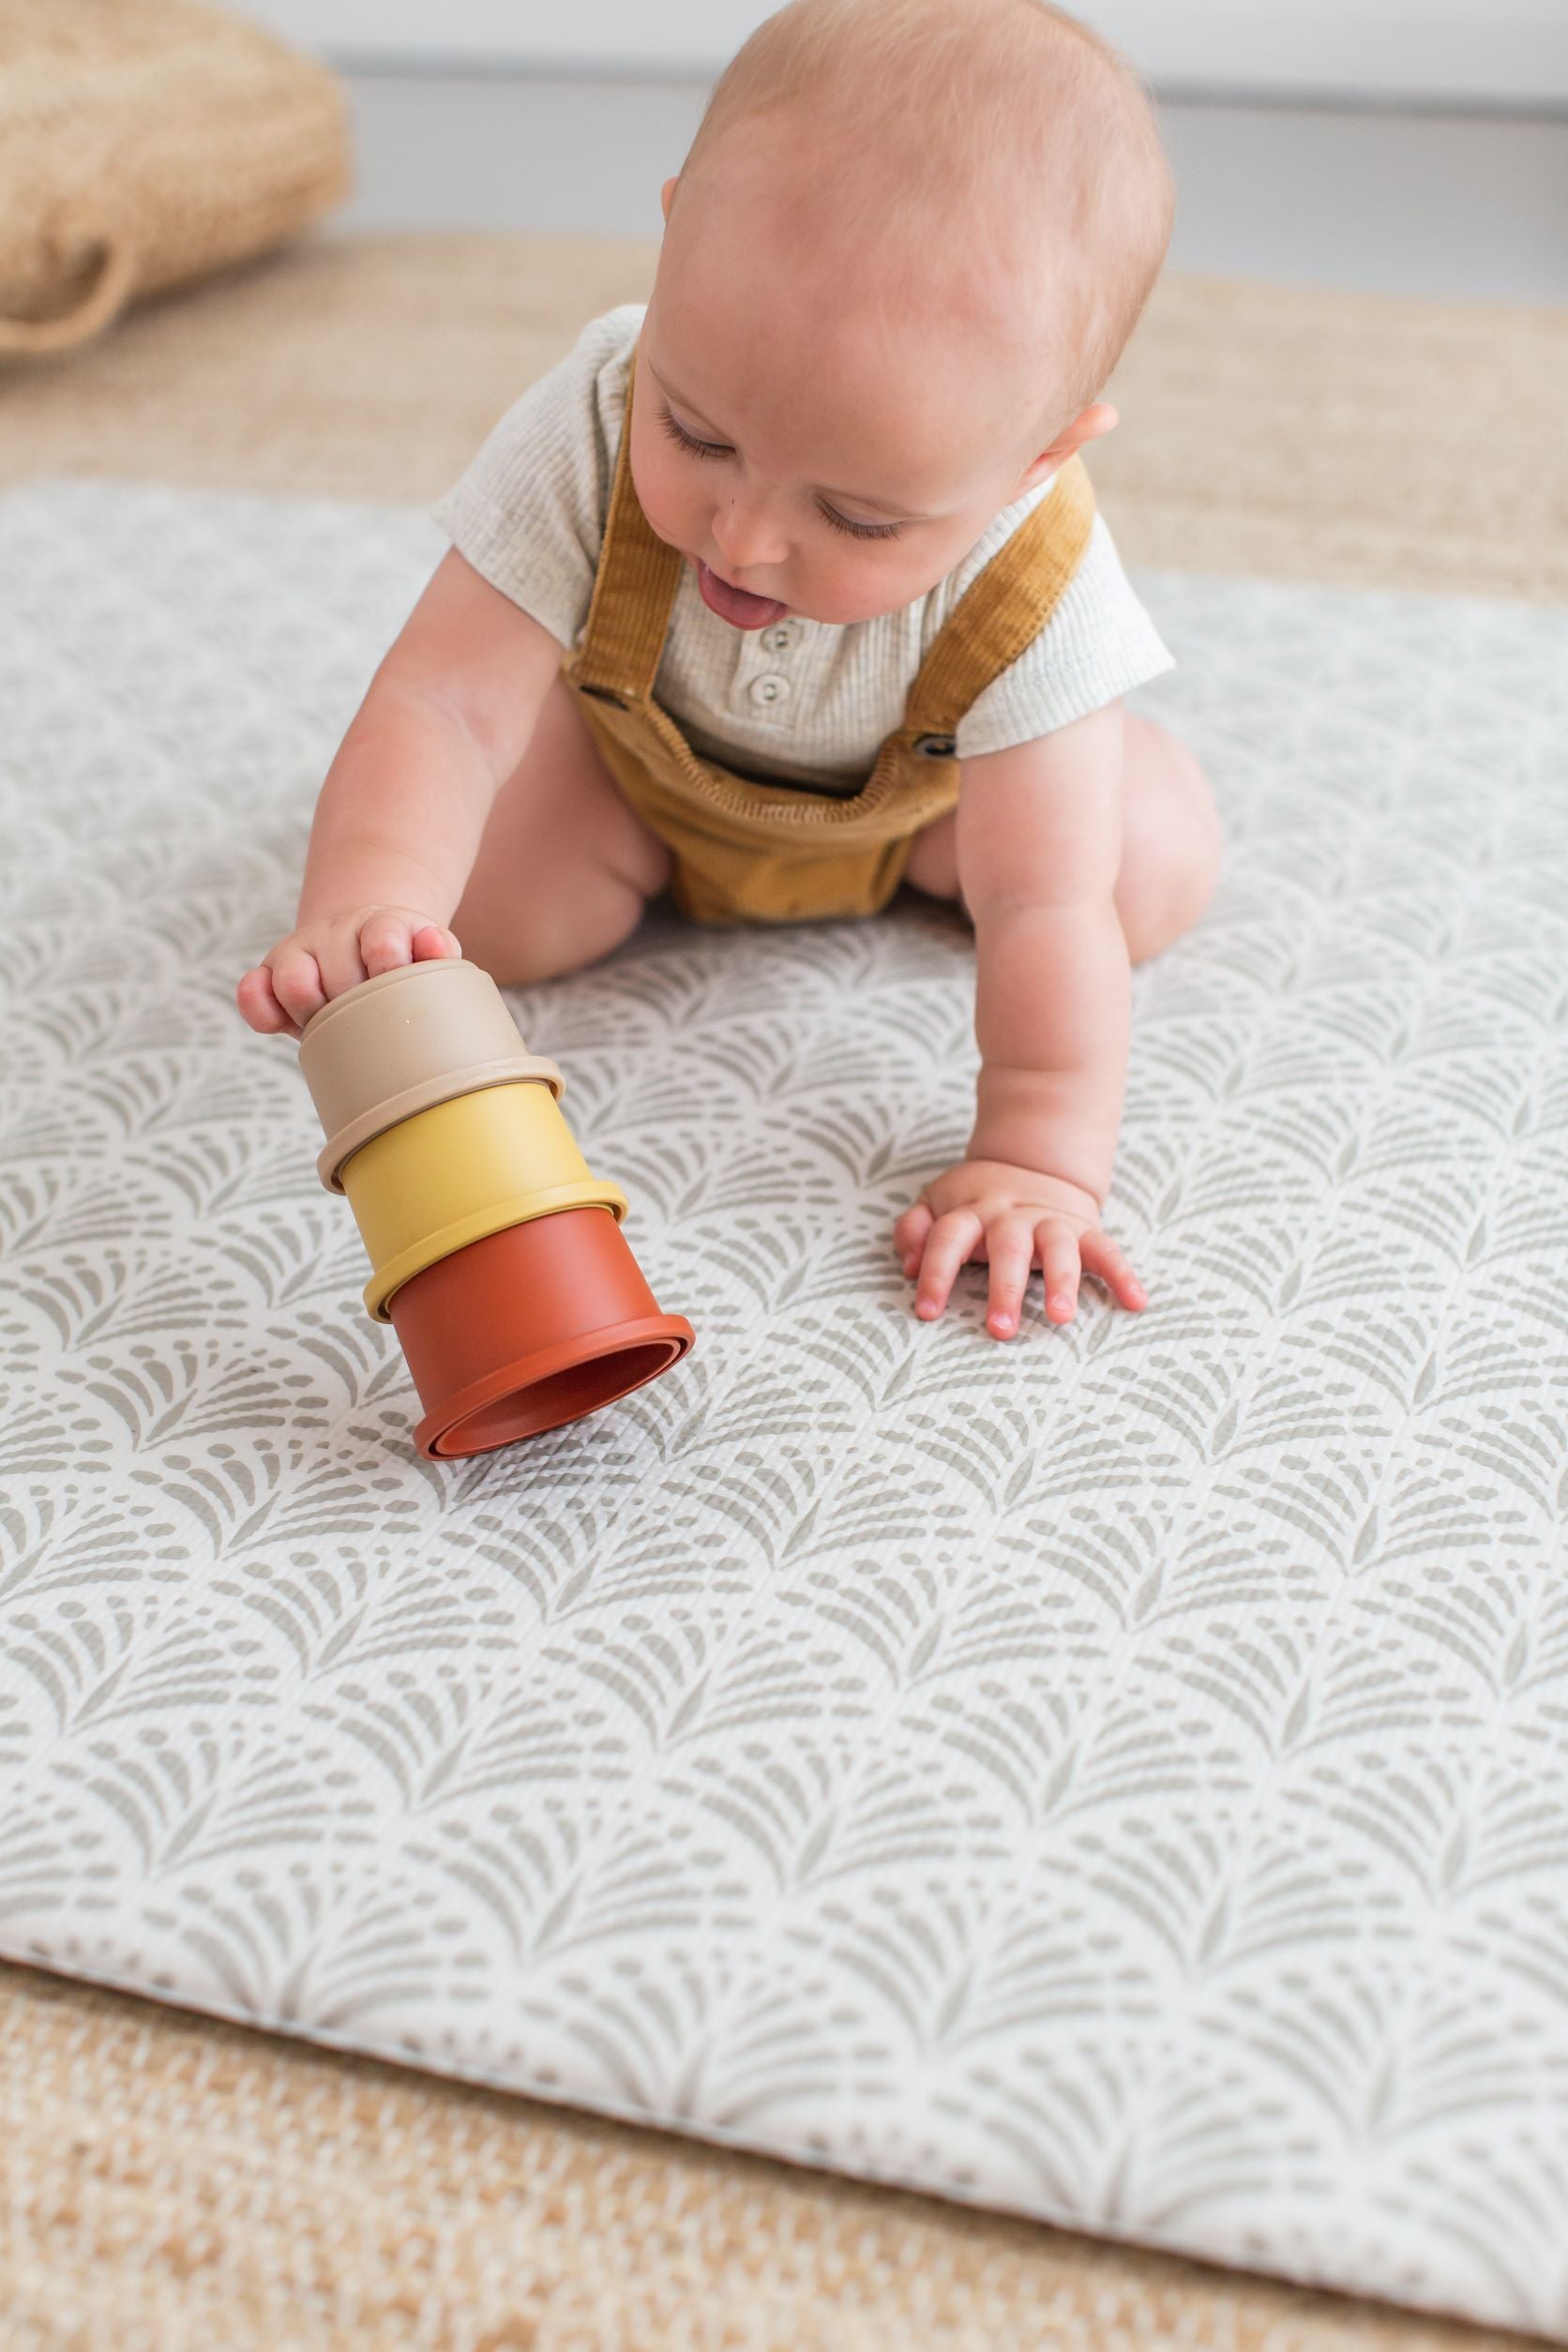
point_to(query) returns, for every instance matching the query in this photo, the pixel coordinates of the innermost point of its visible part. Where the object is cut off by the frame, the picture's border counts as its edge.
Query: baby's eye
(694, 448)
(688, 441)
(859, 530)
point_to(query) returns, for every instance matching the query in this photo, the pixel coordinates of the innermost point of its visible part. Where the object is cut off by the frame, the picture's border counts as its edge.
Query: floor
(1269, 427)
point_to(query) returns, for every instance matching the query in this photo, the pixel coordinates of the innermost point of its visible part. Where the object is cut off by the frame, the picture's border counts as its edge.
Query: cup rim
(432, 1094)
(544, 1364)
(362, 988)
(518, 1209)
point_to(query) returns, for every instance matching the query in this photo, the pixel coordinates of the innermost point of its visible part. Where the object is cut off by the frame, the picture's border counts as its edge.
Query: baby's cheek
(841, 590)
(662, 496)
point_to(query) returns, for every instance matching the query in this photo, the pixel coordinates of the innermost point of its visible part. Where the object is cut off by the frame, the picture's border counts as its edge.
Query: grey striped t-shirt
(803, 701)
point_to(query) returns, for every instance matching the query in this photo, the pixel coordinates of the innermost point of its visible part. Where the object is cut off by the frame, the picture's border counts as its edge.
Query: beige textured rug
(1339, 437)
(177, 2181)
(175, 2184)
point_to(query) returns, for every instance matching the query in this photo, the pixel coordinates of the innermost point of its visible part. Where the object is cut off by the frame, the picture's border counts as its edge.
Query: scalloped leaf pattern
(1120, 1777)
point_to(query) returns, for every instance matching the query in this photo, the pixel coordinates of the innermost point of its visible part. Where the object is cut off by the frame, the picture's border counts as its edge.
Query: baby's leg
(565, 863)
(1171, 842)
(1171, 839)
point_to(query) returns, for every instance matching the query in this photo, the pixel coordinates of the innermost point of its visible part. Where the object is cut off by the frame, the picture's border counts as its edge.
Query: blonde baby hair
(1006, 124)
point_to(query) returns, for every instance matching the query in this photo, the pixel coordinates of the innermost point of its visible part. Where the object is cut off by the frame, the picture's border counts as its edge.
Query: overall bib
(753, 852)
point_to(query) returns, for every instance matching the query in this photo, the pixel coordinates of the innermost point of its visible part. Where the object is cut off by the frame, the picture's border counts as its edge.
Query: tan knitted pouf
(144, 143)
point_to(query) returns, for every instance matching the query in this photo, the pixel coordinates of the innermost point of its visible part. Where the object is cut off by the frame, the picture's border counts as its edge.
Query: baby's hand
(336, 951)
(1016, 1218)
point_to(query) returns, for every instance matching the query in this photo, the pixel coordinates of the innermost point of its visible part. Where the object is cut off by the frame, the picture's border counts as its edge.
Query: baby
(787, 587)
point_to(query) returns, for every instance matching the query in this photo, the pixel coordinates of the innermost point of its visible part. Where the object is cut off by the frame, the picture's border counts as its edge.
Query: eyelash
(694, 448)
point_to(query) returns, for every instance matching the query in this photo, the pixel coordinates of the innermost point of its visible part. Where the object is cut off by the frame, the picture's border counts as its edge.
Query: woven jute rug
(1340, 437)
(174, 2181)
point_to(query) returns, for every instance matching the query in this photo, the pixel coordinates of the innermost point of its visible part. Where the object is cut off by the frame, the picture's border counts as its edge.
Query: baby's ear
(1091, 424)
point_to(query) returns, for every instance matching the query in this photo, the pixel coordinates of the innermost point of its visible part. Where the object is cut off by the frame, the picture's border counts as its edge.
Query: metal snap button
(769, 687)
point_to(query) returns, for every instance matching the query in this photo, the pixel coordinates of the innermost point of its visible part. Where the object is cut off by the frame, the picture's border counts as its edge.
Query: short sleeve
(1097, 646)
(529, 513)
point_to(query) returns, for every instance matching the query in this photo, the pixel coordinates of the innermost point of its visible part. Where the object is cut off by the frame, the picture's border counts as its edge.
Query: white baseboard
(1511, 53)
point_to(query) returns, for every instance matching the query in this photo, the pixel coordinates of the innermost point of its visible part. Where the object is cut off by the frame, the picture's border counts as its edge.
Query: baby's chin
(847, 616)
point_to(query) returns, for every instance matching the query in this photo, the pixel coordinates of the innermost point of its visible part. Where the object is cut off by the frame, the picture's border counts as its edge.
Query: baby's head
(903, 255)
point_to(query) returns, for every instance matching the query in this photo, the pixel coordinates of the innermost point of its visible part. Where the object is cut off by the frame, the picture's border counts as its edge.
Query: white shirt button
(769, 687)
(782, 634)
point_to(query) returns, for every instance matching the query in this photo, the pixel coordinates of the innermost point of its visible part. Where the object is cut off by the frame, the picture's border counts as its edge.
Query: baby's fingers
(1010, 1247)
(1057, 1246)
(431, 941)
(258, 1003)
(391, 937)
(298, 983)
(254, 998)
(948, 1244)
(1101, 1256)
(909, 1236)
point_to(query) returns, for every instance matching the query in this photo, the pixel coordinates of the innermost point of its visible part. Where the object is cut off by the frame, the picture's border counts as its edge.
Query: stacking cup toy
(497, 1254)
(403, 1041)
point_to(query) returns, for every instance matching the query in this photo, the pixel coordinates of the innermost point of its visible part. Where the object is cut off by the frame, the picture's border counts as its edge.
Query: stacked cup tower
(497, 1254)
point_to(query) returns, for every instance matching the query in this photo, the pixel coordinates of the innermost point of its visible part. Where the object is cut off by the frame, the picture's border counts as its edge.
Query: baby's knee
(1204, 837)
(546, 941)
(1174, 845)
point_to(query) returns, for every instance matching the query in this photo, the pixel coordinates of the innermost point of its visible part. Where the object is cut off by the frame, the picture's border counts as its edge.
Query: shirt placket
(767, 681)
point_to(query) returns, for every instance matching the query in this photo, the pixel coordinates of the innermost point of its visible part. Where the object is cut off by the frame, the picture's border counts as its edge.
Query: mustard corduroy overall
(751, 852)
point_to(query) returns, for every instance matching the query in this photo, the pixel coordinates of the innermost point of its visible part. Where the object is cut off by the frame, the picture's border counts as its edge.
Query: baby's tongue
(737, 606)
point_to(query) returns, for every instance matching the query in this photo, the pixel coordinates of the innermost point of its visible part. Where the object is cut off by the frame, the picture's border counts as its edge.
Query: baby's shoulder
(613, 334)
(601, 362)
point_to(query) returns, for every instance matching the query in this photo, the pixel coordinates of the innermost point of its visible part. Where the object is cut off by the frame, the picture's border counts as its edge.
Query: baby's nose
(747, 536)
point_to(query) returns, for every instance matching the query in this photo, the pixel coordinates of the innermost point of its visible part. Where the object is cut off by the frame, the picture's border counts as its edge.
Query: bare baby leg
(1171, 842)
(565, 863)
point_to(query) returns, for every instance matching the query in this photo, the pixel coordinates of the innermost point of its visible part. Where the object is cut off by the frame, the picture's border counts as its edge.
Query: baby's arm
(1039, 845)
(401, 815)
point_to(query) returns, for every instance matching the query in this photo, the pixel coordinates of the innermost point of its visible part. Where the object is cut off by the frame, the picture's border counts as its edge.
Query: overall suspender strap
(1004, 608)
(635, 587)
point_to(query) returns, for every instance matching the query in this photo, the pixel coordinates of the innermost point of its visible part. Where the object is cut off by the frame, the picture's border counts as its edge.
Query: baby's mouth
(737, 606)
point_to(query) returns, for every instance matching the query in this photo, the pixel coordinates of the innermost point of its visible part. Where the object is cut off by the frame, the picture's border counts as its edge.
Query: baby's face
(802, 436)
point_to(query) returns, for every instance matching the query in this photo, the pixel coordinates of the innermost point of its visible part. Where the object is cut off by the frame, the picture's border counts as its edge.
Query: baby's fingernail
(1001, 1322)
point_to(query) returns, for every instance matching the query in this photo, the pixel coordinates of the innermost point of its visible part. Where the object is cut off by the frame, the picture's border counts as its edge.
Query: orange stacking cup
(523, 1330)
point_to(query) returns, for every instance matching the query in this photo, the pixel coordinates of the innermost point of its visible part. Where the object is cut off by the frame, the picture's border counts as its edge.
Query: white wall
(1463, 52)
(1406, 203)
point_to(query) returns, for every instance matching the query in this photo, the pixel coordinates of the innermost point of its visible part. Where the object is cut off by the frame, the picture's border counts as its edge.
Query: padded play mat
(1121, 1776)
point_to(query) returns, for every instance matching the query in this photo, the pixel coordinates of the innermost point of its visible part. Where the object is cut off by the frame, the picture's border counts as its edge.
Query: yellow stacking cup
(461, 1170)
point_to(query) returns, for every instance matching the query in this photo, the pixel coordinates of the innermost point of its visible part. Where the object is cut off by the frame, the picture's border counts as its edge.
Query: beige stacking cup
(403, 1041)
